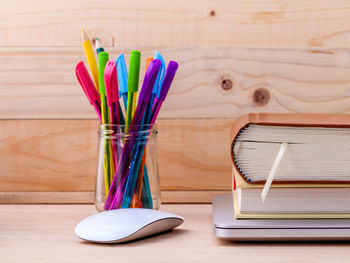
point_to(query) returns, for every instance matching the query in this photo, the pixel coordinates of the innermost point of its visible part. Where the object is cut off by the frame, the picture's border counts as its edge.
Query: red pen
(111, 84)
(88, 87)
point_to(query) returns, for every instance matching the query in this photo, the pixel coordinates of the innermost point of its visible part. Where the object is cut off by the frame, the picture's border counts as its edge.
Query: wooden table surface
(45, 233)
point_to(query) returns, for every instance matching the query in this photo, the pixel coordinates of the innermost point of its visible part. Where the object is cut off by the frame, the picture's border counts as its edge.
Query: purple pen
(168, 79)
(146, 91)
(116, 194)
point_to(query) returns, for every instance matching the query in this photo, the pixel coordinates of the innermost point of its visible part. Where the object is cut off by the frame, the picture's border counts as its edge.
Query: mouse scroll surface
(123, 225)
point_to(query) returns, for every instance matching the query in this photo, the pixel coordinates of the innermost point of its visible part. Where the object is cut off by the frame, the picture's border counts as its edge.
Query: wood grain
(261, 80)
(61, 155)
(87, 197)
(38, 233)
(235, 57)
(47, 197)
(180, 23)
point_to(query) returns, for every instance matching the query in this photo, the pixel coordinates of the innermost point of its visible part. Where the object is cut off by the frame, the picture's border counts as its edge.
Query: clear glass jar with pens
(127, 172)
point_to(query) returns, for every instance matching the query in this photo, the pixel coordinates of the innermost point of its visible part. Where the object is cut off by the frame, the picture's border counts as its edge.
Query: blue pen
(160, 76)
(156, 88)
(122, 74)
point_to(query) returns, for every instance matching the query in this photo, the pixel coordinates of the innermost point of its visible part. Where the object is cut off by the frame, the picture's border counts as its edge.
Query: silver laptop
(227, 227)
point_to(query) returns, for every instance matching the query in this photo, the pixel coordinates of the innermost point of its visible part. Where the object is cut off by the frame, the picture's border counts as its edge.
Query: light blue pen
(156, 88)
(160, 76)
(122, 74)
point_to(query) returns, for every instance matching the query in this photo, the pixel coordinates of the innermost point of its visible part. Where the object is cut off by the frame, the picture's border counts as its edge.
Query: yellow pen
(90, 57)
(133, 83)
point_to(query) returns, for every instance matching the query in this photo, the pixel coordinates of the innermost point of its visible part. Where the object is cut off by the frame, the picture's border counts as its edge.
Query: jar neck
(127, 131)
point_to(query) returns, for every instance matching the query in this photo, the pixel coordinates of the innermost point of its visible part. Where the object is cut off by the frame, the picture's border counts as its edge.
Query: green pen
(108, 166)
(102, 61)
(133, 83)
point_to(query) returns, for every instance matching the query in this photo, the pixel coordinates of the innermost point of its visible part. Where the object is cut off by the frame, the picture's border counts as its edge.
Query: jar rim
(119, 130)
(151, 126)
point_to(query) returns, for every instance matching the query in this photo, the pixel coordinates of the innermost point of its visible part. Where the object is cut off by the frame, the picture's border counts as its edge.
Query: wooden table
(45, 233)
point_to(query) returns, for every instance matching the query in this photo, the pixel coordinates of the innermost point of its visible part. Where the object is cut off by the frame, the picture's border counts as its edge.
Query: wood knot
(212, 13)
(226, 84)
(261, 96)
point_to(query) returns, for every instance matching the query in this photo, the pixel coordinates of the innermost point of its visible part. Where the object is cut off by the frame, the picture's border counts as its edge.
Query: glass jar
(127, 170)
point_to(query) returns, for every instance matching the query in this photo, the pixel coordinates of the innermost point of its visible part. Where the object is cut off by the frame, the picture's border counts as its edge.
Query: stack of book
(312, 176)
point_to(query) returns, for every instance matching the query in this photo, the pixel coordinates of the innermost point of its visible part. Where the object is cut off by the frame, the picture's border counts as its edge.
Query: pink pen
(88, 87)
(111, 84)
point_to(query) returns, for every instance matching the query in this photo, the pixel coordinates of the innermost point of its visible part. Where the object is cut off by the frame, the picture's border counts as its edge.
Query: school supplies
(168, 79)
(102, 61)
(145, 95)
(158, 85)
(311, 178)
(148, 60)
(122, 79)
(126, 181)
(120, 195)
(111, 85)
(90, 57)
(133, 83)
(88, 87)
(98, 46)
(108, 159)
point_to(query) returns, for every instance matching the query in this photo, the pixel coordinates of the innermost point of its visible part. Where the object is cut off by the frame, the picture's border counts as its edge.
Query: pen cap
(148, 60)
(159, 81)
(122, 75)
(102, 61)
(111, 82)
(134, 71)
(149, 80)
(86, 82)
(168, 79)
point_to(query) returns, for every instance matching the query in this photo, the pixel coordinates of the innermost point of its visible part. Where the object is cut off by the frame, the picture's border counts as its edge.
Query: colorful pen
(133, 82)
(148, 60)
(145, 96)
(102, 61)
(120, 181)
(122, 79)
(138, 200)
(146, 90)
(90, 57)
(160, 77)
(88, 87)
(168, 79)
(111, 85)
(108, 161)
(156, 88)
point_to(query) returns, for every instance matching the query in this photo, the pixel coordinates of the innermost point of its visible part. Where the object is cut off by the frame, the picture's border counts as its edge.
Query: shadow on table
(161, 237)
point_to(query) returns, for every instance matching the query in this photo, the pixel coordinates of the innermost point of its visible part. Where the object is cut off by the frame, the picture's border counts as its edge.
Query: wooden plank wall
(235, 57)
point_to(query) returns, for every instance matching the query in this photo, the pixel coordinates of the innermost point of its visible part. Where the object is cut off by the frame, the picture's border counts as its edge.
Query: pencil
(90, 57)
(98, 46)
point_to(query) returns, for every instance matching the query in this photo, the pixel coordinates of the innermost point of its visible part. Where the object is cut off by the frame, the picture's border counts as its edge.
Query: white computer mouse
(122, 225)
